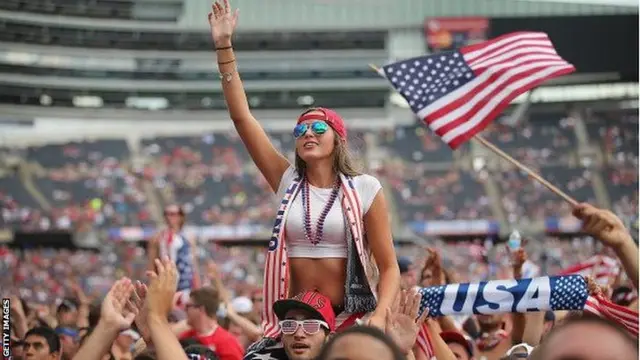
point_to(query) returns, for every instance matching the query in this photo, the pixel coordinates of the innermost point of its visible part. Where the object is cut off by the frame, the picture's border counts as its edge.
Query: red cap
(329, 116)
(458, 338)
(311, 301)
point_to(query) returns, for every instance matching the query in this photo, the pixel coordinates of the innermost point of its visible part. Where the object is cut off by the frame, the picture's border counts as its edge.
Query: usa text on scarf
(568, 292)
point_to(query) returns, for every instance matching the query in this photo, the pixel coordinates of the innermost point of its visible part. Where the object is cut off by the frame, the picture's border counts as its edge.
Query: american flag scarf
(569, 292)
(276, 274)
(601, 268)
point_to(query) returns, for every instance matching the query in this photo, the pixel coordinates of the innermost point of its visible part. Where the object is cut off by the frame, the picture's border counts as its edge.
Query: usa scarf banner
(554, 293)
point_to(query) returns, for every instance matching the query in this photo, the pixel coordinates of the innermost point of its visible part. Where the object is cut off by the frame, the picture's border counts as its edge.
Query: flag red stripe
(515, 63)
(515, 50)
(465, 95)
(541, 45)
(457, 141)
(516, 60)
(600, 306)
(268, 290)
(476, 51)
(472, 96)
(424, 341)
(502, 73)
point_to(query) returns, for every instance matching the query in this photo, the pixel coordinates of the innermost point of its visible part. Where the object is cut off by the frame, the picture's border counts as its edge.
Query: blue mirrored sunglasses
(318, 128)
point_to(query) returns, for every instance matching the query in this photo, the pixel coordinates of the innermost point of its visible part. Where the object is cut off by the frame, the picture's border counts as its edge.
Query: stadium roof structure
(624, 3)
(333, 15)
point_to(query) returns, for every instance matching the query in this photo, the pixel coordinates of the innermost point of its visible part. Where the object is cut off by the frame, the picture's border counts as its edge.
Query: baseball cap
(458, 338)
(242, 305)
(311, 301)
(331, 117)
(404, 263)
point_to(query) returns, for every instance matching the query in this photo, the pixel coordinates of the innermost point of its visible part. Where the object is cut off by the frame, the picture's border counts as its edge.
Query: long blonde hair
(342, 160)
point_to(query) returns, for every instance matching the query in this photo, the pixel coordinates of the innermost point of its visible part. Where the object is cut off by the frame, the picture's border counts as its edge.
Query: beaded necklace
(306, 204)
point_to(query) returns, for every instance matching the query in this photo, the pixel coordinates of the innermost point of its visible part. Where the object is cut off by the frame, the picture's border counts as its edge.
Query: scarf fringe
(359, 303)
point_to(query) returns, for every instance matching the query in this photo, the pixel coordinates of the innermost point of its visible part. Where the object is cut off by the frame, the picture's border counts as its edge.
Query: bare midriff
(327, 276)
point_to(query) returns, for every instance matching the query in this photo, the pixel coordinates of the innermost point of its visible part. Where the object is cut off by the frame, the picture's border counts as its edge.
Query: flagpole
(513, 161)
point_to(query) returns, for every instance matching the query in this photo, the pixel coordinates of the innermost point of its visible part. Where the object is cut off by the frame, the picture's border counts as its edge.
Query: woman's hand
(222, 23)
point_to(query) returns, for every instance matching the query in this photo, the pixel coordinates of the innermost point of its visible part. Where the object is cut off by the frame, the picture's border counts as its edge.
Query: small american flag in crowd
(458, 93)
(602, 268)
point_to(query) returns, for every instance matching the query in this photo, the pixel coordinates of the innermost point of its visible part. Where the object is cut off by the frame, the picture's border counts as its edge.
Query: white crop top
(333, 244)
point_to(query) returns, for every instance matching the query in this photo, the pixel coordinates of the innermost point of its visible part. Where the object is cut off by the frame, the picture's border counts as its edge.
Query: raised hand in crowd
(402, 320)
(223, 23)
(19, 317)
(527, 327)
(162, 288)
(432, 273)
(603, 225)
(84, 302)
(141, 320)
(159, 301)
(609, 229)
(216, 280)
(116, 314)
(252, 331)
(116, 311)
(518, 258)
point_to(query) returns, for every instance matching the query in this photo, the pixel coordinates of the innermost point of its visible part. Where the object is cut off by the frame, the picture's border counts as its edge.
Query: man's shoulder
(225, 335)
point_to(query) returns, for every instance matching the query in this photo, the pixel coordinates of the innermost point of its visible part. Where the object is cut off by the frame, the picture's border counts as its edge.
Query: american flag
(458, 93)
(568, 292)
(601, 268)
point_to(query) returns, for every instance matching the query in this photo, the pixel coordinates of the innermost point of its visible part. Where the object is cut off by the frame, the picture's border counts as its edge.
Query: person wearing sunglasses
(307, 321)
(332, 221)
(176, 244)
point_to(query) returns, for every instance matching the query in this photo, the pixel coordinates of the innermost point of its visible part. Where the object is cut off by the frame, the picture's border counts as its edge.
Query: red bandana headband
(330, 117)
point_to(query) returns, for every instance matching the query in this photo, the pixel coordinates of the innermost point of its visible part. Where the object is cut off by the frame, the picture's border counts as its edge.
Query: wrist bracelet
(224, 48)
(226, 62)
(227, 76)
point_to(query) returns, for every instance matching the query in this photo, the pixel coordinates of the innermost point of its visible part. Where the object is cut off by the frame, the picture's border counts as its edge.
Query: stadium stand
(213, 176)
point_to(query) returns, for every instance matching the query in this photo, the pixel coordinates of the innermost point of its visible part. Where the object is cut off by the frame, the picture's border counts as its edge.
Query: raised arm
(609, 229)
(269, 161)
(153, 251)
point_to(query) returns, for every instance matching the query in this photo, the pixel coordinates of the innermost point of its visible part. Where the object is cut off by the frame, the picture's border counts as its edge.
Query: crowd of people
(59, 301)
(95, 183)
(332, 285)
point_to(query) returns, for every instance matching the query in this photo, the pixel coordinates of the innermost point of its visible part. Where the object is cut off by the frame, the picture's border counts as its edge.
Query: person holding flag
(332, 230)
(458, 94)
